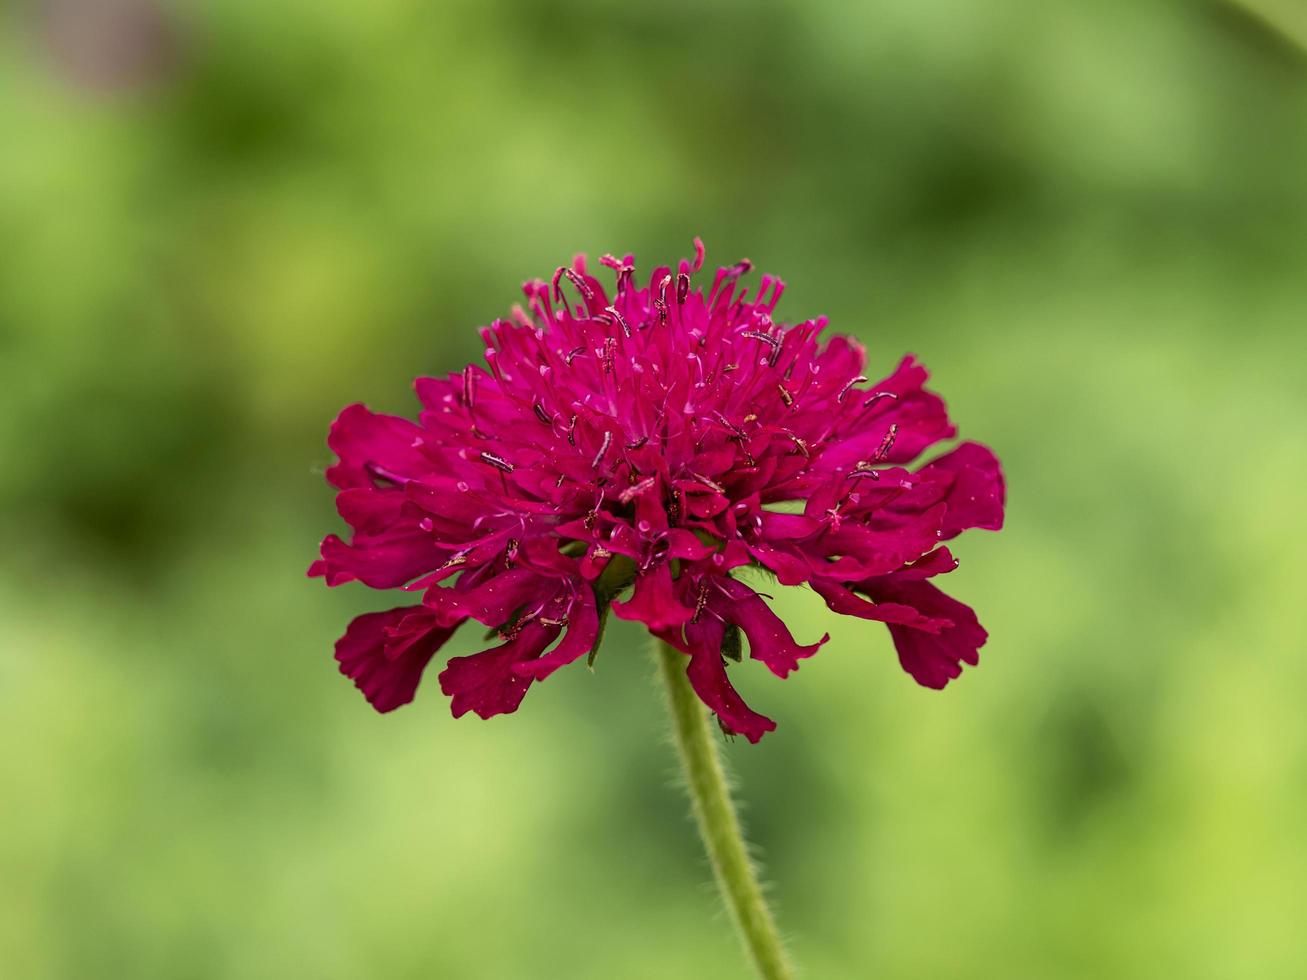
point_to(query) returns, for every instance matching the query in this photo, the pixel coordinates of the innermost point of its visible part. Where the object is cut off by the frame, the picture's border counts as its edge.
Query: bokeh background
(221, 221)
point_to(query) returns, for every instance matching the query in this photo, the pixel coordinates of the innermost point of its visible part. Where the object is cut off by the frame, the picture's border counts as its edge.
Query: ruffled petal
(976, 497)
(373, 446)
(707, 674)
(654, 601)
(847, 603)
(932, 658)
(387, 560)
(385, 653)
(770, 640)
(494, 600)
(582, 631)
(486, 682)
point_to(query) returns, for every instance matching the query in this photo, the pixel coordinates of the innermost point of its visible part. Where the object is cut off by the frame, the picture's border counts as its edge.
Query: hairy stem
(718, 824)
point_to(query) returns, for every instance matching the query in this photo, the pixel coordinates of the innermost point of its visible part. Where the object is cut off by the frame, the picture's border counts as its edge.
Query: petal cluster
(632, 452)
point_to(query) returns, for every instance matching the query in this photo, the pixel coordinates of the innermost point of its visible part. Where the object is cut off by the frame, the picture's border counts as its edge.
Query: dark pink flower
(632, 453)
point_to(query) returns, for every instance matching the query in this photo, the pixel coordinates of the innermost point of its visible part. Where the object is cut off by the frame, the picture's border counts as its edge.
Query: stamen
(638, 443)
(845, 390)
(456, 559)
(586, 292)
(786, 397)
(682, 288)
(599, 456)
(610, 348)
(886, 444)
(572, 353)
(541, 414)
(497, 462)
(739, 433)
(765, 338)
(877, 396)
(590, 518)
(773, 342)
(633, 491)
(624, 271)
(802, 446)
(510, 553)
(700, 602)
(571, 431)
(660, 304)
(864, 468)
(714, 487)
(621, 320)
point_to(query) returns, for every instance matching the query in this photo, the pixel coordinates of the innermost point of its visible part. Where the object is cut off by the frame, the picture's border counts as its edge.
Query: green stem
(718, 824)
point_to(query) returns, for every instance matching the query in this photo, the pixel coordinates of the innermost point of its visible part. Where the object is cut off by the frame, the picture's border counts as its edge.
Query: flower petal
(388, 681)
(932, 658)
(582, 631)
(976, 497)
(654, 601)
(371, 445)
(770, 640)
(486, 683)
(382, 561)
(846, 603)
(707, 676)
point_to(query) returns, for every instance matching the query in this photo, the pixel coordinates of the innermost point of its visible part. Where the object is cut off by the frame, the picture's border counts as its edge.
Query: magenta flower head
(634, 453)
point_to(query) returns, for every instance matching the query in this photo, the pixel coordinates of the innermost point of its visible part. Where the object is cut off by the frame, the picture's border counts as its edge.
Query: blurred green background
(222, 221)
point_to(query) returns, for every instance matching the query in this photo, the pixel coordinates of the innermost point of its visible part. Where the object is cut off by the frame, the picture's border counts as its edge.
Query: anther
(603, 449)
(621, 320)
(700, 602)
(572, 353)
(571, 431)
(633, 491)
(456, 559)
(864, 469)
(638, 443)
(887, 443)
(586, 293)
(661, 302)
(765, 338)
(845, 390)
(877, 396)
(497, 462)
(541, 414)
(714, 487)
(682, 288)
(738, 432)
(786, 397)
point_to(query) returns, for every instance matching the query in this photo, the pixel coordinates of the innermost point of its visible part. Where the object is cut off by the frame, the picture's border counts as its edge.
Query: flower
(629, 453)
